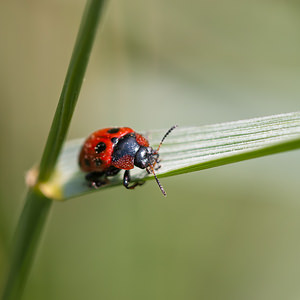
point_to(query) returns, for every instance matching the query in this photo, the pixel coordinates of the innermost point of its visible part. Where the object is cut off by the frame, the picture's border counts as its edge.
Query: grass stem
(37, 206)
(25, 243)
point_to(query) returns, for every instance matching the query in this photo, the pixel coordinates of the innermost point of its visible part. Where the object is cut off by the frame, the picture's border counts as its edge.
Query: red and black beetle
(110, 150)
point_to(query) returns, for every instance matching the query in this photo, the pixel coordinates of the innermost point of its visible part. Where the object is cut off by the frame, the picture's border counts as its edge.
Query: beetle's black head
(145, 157)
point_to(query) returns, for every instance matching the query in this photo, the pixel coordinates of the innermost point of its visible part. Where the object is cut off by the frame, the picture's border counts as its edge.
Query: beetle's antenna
(166, 134)
(156, 152)
(159, 184)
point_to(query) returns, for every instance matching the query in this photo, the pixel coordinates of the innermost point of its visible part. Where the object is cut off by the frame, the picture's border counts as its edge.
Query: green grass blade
(71, 87)
(31, 222)
(190, 149)
(37, 205)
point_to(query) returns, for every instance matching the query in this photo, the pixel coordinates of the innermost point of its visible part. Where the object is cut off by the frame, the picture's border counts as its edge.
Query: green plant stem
(37, 205)
(71, 87)
(26, 240)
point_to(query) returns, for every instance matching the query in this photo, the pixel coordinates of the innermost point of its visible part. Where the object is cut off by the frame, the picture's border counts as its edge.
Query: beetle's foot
(96, 179)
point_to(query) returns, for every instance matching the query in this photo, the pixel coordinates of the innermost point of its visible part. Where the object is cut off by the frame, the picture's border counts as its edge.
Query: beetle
(108, 151)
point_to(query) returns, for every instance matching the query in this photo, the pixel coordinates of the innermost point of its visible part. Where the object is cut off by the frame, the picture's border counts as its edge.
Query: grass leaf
(71, 87)
(37, 204)
(189, 149)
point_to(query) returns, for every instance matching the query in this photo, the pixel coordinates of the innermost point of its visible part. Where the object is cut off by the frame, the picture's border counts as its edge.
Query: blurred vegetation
(224, 233)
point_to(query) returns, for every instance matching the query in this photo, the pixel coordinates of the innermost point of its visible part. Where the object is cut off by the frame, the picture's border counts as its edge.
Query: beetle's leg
(112, 171)
(157, 167)
(126, 181)
(94, 179)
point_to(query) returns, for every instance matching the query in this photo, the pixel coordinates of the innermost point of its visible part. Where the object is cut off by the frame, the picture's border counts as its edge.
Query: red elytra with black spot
(97, 151)
(107, 151)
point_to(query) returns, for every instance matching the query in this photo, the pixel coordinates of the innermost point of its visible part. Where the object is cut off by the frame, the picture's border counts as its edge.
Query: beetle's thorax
(128, 145)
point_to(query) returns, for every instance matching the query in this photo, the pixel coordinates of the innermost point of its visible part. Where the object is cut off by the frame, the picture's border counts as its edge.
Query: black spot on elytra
(100, 147)
(114, 140)
(98, 161)
(87, 162)
(113, 130)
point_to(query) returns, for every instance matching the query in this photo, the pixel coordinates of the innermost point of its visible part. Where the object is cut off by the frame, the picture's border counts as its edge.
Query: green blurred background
(226, 233)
